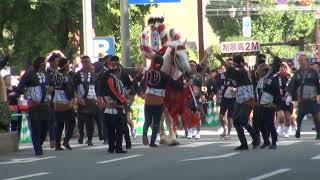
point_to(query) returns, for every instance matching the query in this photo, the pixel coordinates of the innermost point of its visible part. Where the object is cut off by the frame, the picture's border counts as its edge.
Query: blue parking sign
(103, 45)
(152, 1)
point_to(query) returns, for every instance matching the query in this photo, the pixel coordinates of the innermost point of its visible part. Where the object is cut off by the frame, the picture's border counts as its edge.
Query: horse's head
(176, 59)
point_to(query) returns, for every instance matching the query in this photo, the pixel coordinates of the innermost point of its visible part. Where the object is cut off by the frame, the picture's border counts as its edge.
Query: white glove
(288, 100)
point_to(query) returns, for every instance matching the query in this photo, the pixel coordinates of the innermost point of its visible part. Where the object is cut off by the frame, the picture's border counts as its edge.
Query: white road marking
(233, 144)
(211, 157)
(119, 159)
(26, 160)
(187, 145)
(280, 143)
(287, 143)
(28, 176)
(140, 147)
(96, 147)
(195, 144)
(264, 176)
(25, 146)
(72, 146)
(316, 157)
(206, 133)
(77, 145)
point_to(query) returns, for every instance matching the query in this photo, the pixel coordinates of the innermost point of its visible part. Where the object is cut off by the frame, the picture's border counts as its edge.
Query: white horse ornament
(176, 64)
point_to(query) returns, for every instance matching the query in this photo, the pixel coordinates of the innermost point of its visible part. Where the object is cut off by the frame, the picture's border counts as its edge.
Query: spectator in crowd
(13, 103)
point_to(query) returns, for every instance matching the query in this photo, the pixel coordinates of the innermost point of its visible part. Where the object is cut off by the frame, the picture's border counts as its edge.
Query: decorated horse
(176, 64)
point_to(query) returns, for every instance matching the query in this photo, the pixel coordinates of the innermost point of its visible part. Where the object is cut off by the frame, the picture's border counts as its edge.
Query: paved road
(206, 159)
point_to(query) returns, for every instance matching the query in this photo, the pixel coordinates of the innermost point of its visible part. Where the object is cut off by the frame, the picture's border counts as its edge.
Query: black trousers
(86, 119)
(39, 130)
(265, 121)
(152, 113)
(39, 121)
(114, 123)
(308, 107)
(99, 116)
(52, 124)
(255, 121)
(240, 121)
(125, 129)
(65, 119)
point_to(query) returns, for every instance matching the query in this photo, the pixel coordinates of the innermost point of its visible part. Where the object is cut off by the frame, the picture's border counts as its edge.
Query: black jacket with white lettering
(304, 81)
(268, 90)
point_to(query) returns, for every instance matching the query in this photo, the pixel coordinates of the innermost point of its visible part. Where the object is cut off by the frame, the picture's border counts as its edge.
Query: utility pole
(317, 41)
(200, 30)
(317, 36)
(248, 8)
(125, 36)
(87, 28)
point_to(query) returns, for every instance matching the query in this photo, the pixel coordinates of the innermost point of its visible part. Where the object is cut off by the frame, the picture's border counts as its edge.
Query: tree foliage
(107, 23)
(225, 26)
(268, 28)
(36, 27)
(30, 28)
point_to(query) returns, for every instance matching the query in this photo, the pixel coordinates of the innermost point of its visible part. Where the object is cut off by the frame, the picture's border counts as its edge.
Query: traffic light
(303, 2)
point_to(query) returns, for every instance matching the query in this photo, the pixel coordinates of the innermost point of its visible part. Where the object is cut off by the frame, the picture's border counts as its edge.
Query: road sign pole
(125, 37)
(87, 28)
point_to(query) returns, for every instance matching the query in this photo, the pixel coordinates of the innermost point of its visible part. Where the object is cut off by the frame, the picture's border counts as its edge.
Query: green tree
(225, 26)
(107, 23)
(35, 27)
(32, 28)
(270, 27)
